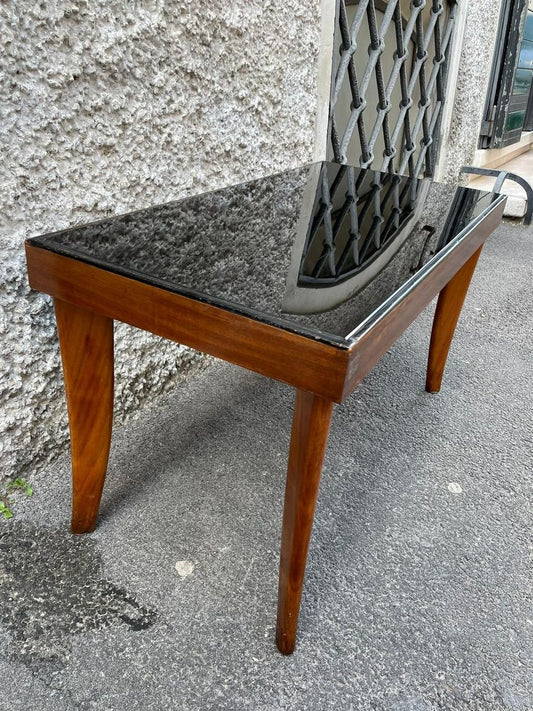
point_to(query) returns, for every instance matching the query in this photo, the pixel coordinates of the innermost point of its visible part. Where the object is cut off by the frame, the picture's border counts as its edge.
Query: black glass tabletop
(316, 249)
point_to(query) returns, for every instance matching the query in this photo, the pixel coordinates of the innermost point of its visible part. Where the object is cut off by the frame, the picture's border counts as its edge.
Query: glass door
(509, 86)
(521, 92)
(526, 67)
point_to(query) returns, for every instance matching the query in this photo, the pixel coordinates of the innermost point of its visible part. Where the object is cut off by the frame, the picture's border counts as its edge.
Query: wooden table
(307, 276)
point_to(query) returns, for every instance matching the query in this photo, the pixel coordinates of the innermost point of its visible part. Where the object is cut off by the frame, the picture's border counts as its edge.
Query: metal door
(506, 103)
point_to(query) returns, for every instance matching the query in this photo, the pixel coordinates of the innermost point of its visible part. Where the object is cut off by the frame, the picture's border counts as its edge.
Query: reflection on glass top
(316, 249)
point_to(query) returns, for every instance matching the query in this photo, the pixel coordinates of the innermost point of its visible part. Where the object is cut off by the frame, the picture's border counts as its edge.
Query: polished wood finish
(447, 314)
(300, 361)
(86, 341)
(371, 344)
(310, 428)
(88, 298)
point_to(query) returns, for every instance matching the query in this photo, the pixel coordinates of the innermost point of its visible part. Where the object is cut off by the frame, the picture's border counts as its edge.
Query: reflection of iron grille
(459, 215)
(403, 71)
(356, 216)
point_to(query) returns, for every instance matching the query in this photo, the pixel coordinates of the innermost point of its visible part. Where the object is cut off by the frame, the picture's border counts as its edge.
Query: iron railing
(395, 52)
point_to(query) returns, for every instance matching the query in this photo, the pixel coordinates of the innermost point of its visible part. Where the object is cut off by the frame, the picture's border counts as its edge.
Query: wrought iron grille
(403, 71)
(357, 214)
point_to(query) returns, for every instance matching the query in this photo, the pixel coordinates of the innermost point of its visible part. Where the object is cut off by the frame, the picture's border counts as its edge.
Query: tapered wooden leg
(86, 341)
(310, 428)
(447, 313)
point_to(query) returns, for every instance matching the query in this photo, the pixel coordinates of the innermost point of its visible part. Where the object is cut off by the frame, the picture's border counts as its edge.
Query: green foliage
(6, 497)
(20, 483)
(5, 511)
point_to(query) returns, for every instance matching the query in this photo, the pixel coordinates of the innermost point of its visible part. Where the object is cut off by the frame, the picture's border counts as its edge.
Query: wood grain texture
(86, 341)
(298, 360)
(447, 313)
(371, 345)
(310, 428)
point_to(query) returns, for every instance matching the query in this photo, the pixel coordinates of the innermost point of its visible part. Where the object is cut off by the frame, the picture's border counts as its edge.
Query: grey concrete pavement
(418, 593)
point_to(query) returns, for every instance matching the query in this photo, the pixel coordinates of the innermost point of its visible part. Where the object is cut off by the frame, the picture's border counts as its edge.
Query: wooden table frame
(87, 299)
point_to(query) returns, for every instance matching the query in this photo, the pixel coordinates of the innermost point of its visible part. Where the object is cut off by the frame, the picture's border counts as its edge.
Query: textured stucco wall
(470, 84)
(111, 105)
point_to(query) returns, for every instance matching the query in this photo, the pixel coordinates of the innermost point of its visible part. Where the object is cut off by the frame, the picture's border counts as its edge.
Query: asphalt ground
(418, 592)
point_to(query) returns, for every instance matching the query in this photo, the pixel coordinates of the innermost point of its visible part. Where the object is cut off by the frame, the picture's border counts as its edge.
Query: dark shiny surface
(315, 249)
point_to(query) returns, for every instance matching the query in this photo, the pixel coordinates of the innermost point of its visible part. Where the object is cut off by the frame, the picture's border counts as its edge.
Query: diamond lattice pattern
(388, 83)
(356, 217)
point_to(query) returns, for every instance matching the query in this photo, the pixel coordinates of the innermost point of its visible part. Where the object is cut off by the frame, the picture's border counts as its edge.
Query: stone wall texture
(113, 105)
(471, 88)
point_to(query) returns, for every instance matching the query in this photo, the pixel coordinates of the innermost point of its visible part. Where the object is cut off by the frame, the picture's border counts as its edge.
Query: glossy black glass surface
(316, 249)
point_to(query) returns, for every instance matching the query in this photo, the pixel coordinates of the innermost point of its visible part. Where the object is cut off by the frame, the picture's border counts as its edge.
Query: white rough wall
(481, 24)
(112, 105)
